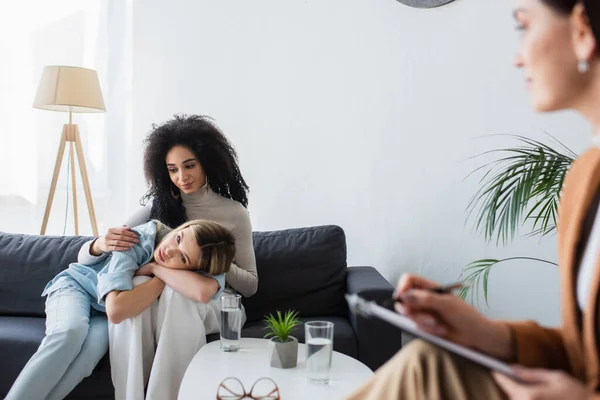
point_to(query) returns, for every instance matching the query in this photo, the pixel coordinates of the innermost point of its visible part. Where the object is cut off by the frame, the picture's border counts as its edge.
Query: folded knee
(418, 353)
(420, 347)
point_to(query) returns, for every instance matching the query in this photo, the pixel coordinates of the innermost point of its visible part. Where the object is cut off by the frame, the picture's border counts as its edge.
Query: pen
(444, 289)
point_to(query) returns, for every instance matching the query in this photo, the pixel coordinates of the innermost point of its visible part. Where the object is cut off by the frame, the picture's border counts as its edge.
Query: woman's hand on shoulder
(448, 316)
(116, 239)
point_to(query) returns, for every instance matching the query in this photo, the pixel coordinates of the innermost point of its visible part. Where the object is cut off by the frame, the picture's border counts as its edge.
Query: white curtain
(35, 33)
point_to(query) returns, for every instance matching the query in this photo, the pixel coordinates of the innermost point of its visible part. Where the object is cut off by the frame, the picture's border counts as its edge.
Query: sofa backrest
(27, 264)
(301, 269)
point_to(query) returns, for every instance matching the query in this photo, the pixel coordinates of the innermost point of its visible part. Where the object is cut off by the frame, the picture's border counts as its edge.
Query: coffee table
(210, 366)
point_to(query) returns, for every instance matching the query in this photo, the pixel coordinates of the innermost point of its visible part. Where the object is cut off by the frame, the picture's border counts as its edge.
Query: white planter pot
(284, 354)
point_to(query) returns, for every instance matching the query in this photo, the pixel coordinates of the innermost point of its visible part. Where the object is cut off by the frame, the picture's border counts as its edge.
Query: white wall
(357, 113)
(90, 34)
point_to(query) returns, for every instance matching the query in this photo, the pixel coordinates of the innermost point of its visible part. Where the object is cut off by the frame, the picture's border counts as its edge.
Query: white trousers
(155, 348)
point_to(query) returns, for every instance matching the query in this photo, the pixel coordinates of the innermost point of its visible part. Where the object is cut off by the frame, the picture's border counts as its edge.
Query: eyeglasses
(233, 389)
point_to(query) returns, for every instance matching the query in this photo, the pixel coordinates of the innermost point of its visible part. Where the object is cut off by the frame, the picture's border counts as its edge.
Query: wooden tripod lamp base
(73, 90)
(70, 134)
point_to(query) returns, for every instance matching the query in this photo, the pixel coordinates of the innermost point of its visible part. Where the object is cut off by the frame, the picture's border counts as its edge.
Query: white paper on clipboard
(370, 308)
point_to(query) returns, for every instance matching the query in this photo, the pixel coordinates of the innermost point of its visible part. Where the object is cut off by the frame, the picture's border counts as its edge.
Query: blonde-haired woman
(81, 293)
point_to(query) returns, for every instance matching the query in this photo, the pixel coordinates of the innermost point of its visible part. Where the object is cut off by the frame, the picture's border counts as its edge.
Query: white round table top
(210, 366)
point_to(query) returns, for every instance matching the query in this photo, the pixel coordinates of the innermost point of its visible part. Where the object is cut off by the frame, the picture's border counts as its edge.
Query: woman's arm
(95, 250)
(242, 275)
(121, 305)
(192, 285)
(115, 289)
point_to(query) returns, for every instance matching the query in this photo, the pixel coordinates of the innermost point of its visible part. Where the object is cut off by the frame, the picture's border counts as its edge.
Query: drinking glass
(231, 322)
(319, 349)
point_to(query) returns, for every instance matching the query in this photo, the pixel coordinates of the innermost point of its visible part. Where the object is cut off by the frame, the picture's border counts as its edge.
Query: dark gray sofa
(302, 269)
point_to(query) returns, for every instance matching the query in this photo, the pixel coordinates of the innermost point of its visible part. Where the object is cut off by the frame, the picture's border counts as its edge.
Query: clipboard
(368, 309)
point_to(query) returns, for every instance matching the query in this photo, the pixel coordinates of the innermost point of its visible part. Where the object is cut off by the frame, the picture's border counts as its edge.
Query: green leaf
(480, 269)
(527, 181)
(281, 326)
(485, 284)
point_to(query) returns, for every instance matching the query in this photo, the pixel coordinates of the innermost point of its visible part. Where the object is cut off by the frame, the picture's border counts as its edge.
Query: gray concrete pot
(284, 354)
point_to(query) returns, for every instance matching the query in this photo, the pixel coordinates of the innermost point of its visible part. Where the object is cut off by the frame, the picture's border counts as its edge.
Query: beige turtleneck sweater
(206, 204)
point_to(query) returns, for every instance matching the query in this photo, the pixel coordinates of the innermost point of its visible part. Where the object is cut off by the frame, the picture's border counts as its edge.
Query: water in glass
(318, 359)
(231, 322)
(319, 350)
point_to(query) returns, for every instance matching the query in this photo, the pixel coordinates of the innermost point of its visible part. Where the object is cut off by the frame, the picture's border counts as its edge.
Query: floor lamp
(72, 90)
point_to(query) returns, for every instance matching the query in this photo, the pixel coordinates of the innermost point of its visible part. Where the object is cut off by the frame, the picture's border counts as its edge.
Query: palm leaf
(474, 272)
(525, 181)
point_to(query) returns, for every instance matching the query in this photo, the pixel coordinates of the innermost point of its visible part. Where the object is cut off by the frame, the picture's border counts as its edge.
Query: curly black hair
(215, 154)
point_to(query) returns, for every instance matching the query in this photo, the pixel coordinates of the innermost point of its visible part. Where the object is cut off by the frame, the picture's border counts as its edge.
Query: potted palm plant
(284, 348)
(519, 189)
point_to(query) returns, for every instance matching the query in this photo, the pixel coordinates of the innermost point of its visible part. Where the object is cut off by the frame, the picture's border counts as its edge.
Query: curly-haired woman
(192, 173)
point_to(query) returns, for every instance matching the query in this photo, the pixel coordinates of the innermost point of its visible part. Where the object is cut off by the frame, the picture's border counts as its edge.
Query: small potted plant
(284, 348)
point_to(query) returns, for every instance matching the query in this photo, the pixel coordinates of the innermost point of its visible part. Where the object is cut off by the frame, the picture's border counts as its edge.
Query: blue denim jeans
(76, 339)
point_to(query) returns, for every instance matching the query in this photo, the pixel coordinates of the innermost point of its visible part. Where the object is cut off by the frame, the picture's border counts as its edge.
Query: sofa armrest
(368, 283)
(377, 340)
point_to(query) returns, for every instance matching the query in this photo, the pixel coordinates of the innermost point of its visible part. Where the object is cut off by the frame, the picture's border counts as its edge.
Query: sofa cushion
(27, 264)
(301, 269)
(344, 339)
(20, 338)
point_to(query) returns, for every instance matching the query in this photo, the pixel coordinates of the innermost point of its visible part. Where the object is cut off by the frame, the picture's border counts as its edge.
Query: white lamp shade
(64, 88)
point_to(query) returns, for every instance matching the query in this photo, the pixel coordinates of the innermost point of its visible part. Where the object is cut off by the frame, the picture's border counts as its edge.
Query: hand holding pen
(444, 289)
(429, 305)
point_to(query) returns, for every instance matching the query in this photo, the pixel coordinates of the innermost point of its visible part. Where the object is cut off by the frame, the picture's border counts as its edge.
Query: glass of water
(231, 322)
(319, 349)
